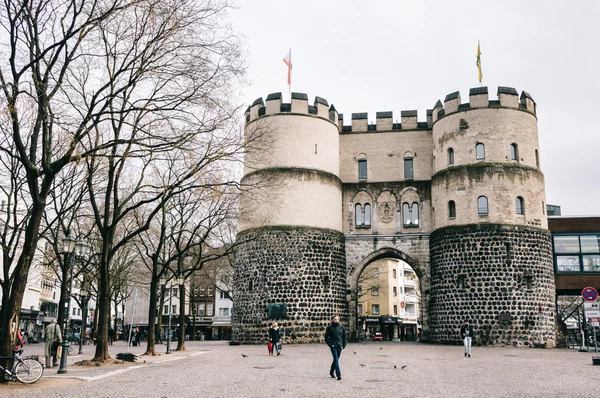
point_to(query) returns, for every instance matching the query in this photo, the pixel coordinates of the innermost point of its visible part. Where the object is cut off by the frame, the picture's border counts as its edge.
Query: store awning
(223, 323)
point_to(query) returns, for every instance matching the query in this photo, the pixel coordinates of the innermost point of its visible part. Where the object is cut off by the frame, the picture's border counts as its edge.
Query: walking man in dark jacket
(466, 333)
(335, 337)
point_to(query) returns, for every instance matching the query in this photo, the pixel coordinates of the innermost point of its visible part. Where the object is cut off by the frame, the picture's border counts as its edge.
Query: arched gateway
(448, 196)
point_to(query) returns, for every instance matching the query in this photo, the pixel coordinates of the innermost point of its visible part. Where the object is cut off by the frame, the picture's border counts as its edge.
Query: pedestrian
(275, 339)
(53, 339)
(466, 332)
(158, 337)
(335, 337)
(111, 335)
(20, 341)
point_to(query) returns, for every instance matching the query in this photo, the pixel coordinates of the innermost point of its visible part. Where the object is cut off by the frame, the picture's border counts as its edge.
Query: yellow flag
(479, 73)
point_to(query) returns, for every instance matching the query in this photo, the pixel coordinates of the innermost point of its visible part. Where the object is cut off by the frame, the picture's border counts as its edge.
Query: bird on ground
(403, 366)
(362, 364)
(354, 352)
(381, 348)
(394, 366)
(244, 355)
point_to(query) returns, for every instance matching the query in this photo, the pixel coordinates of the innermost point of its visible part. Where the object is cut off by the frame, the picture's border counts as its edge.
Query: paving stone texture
(215, 369)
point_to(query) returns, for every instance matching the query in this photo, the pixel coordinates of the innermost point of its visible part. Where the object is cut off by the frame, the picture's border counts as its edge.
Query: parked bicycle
(27, 370)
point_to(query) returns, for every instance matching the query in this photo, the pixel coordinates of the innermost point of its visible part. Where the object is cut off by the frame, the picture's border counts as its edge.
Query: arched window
(480, 151)
(367, 217)
(406, 214)
(450, 156)
(358, 215)
(514, 152)
(520, 205)
(408, 168)
(362, 169)
(451, 209)
(415, 214)
(482, 205)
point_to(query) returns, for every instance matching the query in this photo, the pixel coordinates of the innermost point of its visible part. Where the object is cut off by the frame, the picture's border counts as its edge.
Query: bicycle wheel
(71, 351)
(28, 370)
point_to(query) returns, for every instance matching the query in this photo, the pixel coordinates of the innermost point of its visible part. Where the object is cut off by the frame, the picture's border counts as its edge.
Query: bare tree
(44, 43)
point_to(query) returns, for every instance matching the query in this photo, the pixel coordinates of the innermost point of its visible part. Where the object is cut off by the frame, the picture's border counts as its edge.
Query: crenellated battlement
(298, 105)
(385, 121)
(508, 97)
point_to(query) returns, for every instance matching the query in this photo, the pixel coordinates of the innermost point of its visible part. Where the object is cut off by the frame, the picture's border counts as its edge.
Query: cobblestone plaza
(373, 369)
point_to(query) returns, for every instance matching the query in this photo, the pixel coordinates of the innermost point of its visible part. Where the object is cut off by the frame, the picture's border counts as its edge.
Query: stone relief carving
(386, 210)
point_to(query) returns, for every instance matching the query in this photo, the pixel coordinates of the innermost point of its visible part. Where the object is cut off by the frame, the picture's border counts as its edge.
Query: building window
(395, 309)
(529, 282)
(415, 214)
(480, 151)
(375, 309)
(250, 285)
(410, 214)
(201, 309)
(577, 253)
(359, 309)
(451, 209)
(520, 205)
(395, 290)
(223, 311)
(450, 156)
(224, 295)
(166, 309)
(358, 215)
(209, 309)
(74, 311)
(374, 292)
(362, 169)
(408, 168)
(174, 309)
(367, 215)
(482, 205)
(514, 152)
(461, 282)
(537, 159)
(209, 292)
(394, 273)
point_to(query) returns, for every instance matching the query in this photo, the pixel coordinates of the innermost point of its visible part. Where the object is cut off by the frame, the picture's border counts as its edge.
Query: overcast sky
(402, 55)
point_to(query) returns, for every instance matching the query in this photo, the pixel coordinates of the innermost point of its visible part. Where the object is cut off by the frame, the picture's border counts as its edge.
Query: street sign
(589, 294)
(592, 310)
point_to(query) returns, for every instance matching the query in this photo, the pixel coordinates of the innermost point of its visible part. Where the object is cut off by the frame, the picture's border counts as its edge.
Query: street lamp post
(180, 282)
(83, 294)
(80, 248)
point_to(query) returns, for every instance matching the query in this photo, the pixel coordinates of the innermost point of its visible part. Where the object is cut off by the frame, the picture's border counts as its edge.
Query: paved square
(373, 369)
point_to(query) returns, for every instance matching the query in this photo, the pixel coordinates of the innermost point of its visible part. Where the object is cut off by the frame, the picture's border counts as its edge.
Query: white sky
(402, 55)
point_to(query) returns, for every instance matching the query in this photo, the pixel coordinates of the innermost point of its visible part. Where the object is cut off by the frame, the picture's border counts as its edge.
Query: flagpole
(290, 85)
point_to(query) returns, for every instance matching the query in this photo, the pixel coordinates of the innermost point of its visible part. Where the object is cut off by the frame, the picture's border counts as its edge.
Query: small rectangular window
(166, 309)
(374, 292)
(461, 282)
(201, 309)
(209, 309)
(359, 309)
(394, 273)
(395, 309)
(174, 308)
(375, 309)
(408, 168)
(362, 169)
(395, 290)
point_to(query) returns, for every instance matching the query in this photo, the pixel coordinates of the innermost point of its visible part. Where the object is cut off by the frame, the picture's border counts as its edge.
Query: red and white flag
(288, 62)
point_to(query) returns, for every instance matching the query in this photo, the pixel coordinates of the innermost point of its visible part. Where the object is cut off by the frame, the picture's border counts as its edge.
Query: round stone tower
(290, 262)
(491, 252)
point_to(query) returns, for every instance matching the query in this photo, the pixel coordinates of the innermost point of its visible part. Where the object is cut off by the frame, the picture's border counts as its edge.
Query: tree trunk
(102, 311)
(181, 342)
(150, 350)
(11, 312)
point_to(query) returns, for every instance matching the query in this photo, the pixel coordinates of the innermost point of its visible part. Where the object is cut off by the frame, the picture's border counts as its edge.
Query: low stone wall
(301, 267)
(499, 277)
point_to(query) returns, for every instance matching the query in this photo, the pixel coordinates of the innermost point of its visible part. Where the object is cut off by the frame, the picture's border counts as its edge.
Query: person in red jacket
(20, 342)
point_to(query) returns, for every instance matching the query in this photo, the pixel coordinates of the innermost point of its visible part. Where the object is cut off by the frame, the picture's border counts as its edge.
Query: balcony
(411, 298)
(410, 282)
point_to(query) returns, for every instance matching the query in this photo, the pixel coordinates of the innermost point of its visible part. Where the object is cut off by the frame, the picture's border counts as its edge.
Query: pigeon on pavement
(403, 366)
(244, 355)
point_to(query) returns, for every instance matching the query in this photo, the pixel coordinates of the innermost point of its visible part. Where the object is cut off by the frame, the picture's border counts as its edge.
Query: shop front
(386, 325)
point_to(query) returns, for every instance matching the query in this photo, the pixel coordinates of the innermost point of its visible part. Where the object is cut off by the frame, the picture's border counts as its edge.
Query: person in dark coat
(275, 337)
(466, 333)
(335, 337)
